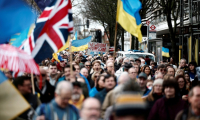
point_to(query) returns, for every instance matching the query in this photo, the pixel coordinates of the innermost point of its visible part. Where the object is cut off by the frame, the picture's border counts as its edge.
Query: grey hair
(119, 58)
(63, 85)
(88, 62)
(184, 60)
(126, 59)
(123, 77)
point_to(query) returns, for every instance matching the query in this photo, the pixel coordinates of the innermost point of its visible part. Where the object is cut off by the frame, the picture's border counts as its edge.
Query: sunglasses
(96, 76)
(88, 65)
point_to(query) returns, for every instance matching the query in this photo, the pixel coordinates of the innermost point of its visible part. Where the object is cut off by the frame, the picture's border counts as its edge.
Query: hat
(130, 104)
(137, 60)
(128, 65)
(76, 83)
(158, 82)
(142, 74)
(84, 60)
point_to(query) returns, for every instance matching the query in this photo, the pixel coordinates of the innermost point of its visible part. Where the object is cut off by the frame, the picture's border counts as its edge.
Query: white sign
(96, 48)
(152, 35)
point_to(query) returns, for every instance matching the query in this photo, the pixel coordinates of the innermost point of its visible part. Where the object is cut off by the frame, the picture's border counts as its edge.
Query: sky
(77, 12)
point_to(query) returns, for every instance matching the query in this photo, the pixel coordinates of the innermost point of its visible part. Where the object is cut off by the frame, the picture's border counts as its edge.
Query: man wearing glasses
(132, 73)
(88, 65)
(23, 84)
(59, 108)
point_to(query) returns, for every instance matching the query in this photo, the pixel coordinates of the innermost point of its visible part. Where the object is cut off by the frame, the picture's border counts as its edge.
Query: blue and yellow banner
(80, 45)
(76, 45)
(165, 52)
(129, 18)
(18, 38)
(15, 16)
(75, 36)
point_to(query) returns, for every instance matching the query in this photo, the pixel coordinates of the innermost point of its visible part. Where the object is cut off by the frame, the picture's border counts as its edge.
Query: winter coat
(93, 92)
(101, 95)
(166, 109)
(108, 101)
(46, 96)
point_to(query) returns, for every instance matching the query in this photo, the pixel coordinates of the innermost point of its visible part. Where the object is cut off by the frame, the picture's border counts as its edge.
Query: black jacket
(48, 95)
(34, 102)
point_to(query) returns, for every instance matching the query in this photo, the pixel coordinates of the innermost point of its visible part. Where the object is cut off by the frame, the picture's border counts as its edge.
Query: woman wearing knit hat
(155, 93)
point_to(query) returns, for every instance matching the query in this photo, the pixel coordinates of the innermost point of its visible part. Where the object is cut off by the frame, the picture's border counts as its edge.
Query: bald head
(109, 61)
(84, 71)
(123, 78)
(90, 109)
(88, 101)
(64, 86)
(42, 71)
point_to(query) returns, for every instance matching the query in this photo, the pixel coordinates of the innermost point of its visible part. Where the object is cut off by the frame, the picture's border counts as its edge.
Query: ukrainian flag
(75, 36)
(17, 39)
(12, 103)
(129, 18)
(76, 45)
(80, 45)
(165, 52)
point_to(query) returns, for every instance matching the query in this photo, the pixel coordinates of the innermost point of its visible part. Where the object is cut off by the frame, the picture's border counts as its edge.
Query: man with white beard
(77, 95)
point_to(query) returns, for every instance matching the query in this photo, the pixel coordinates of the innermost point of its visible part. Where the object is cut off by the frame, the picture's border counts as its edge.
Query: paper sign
(96, 48)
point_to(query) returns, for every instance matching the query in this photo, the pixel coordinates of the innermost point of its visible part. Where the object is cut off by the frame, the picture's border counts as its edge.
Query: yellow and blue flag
(165, 52)
(76, 45)
(10, 99)
(80, 45)
(129, 18)
(75, 36)
(15, 16)
(18, 38)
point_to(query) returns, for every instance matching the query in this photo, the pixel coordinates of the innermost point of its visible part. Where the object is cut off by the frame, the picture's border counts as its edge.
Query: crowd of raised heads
(104, 87)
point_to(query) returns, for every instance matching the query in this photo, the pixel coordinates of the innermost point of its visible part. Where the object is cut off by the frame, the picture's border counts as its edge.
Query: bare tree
(171, 9)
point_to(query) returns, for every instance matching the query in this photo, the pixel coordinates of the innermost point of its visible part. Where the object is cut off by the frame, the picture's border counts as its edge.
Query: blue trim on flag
(3, 78)
(165, 50)
(78, 43)
(132, 7)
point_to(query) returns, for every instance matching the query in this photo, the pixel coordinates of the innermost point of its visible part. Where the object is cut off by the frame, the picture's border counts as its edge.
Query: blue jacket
(93, 92)
(61, 79)
(49, 110)
(101, 95)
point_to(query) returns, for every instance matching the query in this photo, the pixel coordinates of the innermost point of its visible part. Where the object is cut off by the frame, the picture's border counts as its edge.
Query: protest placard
(96, 48)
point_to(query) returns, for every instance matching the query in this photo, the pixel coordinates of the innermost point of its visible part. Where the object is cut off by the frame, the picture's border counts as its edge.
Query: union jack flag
(51, 31)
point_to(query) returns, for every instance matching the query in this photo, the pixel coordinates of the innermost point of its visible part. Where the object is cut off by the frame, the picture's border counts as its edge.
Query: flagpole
(70, 50)
(33, 87)
(115, 39)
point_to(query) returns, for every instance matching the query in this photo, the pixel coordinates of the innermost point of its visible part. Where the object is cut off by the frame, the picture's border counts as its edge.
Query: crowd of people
(103, 87)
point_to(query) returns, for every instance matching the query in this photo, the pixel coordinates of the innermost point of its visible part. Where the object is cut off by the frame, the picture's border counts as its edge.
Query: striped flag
(51, 31)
